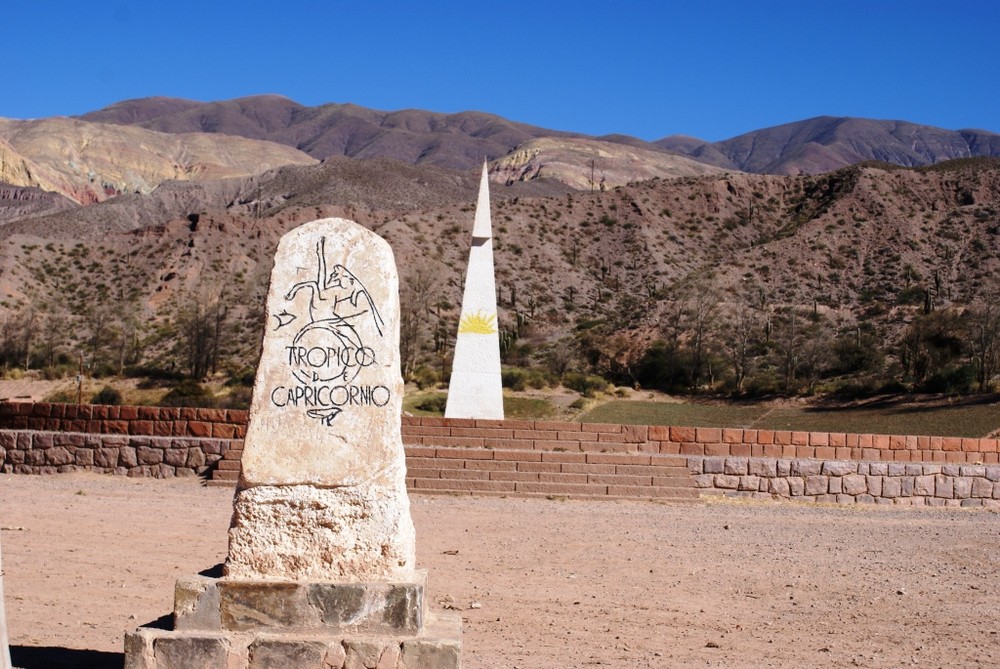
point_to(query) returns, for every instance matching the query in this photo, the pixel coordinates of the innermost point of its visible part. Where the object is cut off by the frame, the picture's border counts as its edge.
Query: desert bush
(107, 395)
(587, 385)
(188, 393)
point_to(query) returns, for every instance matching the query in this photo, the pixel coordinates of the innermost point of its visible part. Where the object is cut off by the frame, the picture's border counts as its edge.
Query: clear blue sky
(649, 69)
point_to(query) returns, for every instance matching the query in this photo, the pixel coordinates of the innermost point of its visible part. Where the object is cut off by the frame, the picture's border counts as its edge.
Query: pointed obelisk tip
(482, 228)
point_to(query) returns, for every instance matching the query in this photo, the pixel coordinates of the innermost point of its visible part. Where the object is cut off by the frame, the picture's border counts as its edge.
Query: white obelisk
(475, 389)
(4, 647)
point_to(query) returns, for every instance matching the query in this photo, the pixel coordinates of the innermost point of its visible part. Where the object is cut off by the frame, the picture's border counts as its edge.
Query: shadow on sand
(32, 657)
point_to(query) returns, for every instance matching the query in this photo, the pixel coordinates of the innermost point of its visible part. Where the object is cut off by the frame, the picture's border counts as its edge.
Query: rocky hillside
(586, 280)
(90, 162)
(826, 143)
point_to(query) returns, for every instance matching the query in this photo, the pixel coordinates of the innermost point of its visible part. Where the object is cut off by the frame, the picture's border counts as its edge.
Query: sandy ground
(546, 583)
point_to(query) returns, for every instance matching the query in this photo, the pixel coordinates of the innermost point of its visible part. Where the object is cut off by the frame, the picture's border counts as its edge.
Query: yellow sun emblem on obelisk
(478, 323)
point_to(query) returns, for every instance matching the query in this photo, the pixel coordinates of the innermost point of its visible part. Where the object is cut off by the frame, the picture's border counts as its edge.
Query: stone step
(514, 472)
(547, 488)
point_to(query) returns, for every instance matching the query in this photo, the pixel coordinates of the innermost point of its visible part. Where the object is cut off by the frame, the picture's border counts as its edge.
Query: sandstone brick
(796, 486)
(682, 434)
(749, 483)
(923, 486)
(836, 485)
(732, 436)
(716, 450)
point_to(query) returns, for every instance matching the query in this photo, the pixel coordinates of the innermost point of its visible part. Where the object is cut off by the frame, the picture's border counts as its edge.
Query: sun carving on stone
(478, 323)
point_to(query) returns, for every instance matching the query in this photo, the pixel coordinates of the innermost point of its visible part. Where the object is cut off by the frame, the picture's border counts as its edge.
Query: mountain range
(124, 219)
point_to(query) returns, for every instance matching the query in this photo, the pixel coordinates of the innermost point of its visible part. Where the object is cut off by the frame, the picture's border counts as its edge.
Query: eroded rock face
(322, 492)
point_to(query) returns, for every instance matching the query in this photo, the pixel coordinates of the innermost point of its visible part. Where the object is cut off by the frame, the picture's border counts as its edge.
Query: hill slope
(827, 143)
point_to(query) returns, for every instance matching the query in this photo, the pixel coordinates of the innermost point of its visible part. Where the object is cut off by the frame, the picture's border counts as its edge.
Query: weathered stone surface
(196, 604)
(370, 608)
(816, 485)
(839, 468)
(277, 653)
(355, 533)
(714, 465)
(727, 482)
(855, 484)
(736, 466)
(190, 652)
(763, 467)
(923, 486)
(944, 486)
(322, 491)
(981, 487)
(326, 399)
(806, 467)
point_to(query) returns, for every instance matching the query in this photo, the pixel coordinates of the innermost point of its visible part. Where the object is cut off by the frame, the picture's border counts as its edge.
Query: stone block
(736, 466)
(727, 482)
(923, 486)
(704, 480)
(981, 487)
(874, 484)
(278, 653)
(816, 485)
(891, 487)
(896, 469)
(796, 486)
(854, 484)
(714, 465)
(784, 467)
(749, 483)
(944, 487)
(765, 467)
(962, 487)
(839, 468)
(806, 467)
(878, 469)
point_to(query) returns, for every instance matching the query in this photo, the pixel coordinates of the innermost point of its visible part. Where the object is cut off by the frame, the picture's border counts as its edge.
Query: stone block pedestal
(223, 623)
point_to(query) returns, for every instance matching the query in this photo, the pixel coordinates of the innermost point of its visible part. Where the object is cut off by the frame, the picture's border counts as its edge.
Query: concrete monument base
(226, 623)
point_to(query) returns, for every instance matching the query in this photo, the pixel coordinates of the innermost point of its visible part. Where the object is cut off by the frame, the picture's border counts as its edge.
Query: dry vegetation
(852, 280)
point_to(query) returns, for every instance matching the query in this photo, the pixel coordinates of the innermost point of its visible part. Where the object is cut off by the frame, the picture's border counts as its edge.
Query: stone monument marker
(320, 570)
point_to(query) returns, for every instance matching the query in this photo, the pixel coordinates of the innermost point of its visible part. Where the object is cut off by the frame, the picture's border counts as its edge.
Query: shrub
(107, 395)
(586, 384)
(188, 393)
(433, 403)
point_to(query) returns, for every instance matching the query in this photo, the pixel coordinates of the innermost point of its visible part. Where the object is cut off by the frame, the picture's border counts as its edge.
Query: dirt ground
(545, 583)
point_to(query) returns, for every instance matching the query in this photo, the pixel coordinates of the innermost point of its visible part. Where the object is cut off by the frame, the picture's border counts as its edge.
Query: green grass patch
(956, 421)
(631, 412)
(425, 403)
(969, 418)
(527, 407)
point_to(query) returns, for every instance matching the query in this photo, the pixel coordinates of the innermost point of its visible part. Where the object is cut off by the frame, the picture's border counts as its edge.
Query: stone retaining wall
(35, 452)
(848, 482)
(808, 466)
